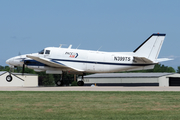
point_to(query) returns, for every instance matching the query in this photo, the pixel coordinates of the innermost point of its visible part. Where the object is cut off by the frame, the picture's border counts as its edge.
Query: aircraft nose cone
(15, 61)
(9, 61)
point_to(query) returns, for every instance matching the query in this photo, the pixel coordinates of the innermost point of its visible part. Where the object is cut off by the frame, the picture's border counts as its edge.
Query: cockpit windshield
(41, 52)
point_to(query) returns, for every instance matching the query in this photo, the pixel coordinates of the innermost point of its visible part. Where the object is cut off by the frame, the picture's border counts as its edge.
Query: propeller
(23, 62)
(23, 69)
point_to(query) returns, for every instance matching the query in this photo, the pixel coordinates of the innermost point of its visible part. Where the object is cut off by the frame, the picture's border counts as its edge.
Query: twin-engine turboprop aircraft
(56, 60)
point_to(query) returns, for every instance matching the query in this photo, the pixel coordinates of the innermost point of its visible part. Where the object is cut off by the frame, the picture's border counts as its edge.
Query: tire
(80, 83)
(59, 83)
(9, 78)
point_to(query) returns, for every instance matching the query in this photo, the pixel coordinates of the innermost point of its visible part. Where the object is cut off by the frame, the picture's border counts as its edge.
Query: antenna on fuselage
(78, 46)
(69, 46)
(60, 45)
(99, 48)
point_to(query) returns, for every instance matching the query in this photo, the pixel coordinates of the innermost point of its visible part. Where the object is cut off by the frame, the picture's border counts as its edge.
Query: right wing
(53, 63)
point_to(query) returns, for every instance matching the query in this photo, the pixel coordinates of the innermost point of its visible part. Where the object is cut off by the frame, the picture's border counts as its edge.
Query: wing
(53, 63)
(142, 60)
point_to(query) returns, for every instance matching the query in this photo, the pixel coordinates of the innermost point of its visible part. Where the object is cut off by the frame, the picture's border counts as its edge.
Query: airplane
(57, 60)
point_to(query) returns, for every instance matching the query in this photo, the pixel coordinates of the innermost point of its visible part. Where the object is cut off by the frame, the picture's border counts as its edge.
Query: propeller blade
(23, 69)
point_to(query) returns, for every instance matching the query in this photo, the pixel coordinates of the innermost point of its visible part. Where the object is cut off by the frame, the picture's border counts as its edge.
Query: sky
(28, 26)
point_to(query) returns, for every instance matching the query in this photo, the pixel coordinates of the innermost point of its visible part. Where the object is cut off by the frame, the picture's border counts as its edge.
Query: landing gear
(80, 83)
(60, 82)
(9, 78)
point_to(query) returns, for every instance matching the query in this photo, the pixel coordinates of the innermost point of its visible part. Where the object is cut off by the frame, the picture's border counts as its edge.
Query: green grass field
(90, 105)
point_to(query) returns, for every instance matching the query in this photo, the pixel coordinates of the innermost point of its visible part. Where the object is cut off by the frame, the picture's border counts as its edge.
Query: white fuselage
(84, 61)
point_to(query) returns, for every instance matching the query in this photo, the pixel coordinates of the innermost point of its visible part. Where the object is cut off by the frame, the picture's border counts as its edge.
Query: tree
(158, 68)
(6, 68)
(45, 79)
(49, 80)
(27, 70)
(1, 68)
(162, 68)
(178, 70)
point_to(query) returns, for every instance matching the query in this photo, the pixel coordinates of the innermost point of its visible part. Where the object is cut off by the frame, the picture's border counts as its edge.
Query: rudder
(151, 47)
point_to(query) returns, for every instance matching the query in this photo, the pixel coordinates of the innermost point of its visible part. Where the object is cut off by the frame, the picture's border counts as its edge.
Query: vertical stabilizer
(151, 47)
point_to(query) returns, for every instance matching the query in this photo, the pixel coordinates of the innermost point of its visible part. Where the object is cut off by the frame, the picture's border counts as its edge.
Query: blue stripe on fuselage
(58, 61)
(95, 62)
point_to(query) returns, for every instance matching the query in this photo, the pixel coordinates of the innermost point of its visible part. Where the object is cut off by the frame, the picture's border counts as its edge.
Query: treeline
(160, 68)
(51, 79)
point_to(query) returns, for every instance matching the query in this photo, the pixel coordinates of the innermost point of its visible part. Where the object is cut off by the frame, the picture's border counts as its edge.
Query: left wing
(52, 63)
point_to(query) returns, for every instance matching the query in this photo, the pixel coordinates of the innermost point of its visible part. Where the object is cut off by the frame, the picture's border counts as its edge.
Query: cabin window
(41, 52)
(47, 52)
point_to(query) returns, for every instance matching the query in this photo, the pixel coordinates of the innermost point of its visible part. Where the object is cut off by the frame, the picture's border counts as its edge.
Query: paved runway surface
(89, 88)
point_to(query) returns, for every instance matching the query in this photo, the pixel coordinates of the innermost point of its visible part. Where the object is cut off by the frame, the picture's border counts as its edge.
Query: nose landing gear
(9, 78)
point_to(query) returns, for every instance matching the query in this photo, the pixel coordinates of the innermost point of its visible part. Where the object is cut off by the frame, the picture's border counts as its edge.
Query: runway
(89, 88)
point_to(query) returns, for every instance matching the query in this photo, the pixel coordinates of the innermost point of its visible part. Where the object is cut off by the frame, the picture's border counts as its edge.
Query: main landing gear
(60, 82)
(79, 83)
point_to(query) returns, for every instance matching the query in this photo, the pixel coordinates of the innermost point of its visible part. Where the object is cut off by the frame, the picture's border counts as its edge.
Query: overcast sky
(27, 26)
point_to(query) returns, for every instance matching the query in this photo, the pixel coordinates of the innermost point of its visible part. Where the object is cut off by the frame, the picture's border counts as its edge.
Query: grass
(90, 105)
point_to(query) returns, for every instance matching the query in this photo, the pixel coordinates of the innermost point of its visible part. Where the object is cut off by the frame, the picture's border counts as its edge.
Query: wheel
(80, 83)
(59, 83)
(9, 78)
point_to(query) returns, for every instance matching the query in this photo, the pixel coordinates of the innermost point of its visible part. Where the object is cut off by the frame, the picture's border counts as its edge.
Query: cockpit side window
(41, 52)
(47, 52)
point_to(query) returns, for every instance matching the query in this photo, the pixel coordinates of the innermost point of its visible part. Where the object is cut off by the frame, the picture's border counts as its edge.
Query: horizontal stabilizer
(163, 59)
(142, 60)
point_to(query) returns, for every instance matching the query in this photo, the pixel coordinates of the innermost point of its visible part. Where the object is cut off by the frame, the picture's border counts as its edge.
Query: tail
(151, 47)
